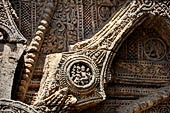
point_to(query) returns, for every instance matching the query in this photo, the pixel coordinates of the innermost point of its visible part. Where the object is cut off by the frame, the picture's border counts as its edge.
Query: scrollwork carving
(63, 28)
(156, 7)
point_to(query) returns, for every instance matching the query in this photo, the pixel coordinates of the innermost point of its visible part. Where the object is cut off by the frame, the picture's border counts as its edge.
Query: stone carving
(3, 14)
(54, 99)
(63, 28)
(12, 46)
(147, 102)
(30, 12)
(9, 106)
(35, 46)
(87, 74)
(102, 41)
(155, 49)
(135, 76)
(7, 23)
(79, 77)
(67, 87)
(104, 12)
(161, 108)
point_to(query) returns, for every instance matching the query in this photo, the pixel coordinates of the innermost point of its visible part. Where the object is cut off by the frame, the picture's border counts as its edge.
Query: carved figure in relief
(80, 75)
(148, 69)
(155, 49)
(76, 76)
(84, 79)
(54, 98)
(105, 12)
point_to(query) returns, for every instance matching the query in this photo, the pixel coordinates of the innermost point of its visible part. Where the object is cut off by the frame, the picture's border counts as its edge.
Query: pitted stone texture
(9, 56)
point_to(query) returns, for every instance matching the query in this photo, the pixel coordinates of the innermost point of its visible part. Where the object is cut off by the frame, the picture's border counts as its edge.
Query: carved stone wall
(79, 77)
(161, 108)
(29, 13)
(73, 21)
(140, 67)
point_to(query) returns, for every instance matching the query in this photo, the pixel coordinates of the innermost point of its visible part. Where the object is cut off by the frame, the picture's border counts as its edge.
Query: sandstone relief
(84, 56)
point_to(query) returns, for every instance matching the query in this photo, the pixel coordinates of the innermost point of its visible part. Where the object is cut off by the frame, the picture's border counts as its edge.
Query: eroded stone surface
(11, 48)
(126, 60)
(10, 56)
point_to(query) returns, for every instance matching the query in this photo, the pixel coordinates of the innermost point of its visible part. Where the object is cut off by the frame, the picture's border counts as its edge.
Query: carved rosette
(80, 74)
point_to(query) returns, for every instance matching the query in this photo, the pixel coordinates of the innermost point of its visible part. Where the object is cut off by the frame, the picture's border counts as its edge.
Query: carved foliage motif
(73, 23)
(137, 9)
(156, 7)
(64, 28)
